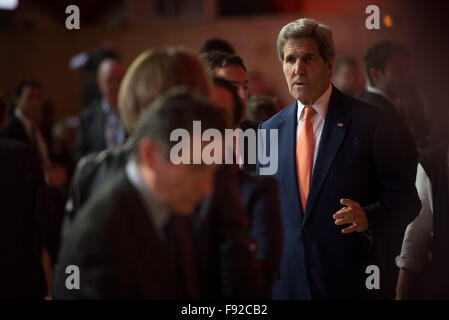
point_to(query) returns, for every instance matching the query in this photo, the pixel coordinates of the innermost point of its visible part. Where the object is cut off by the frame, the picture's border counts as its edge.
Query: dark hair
(261, 108)
(177, 109)
(216, 44)
(238, 108)
(378, 55)
(345, 61)
(217, 59)
(23, 84)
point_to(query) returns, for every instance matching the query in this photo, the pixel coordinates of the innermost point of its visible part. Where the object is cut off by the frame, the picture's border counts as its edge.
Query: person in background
(232, 68)
(261, 108)
(216, 44)
(143, 222)
(390, 87)
(100, 126)
(150, 75)
(24, 126)
(21, 240)
(260, 194)
(424, 261)
(346, 75)
(259, 86)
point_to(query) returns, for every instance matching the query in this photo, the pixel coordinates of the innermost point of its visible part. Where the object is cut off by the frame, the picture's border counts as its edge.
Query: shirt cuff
(414, 264)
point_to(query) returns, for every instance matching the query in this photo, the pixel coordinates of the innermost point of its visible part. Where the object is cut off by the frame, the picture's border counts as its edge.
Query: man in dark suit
(390, 88)
(136, 238)
(23, 126)
(21, 272)
(232, 68)
(99, 125)
(260, 194)
(23, 123)
(339, 164)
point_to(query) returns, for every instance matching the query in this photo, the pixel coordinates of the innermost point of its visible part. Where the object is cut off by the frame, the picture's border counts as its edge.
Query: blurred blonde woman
(151, 74)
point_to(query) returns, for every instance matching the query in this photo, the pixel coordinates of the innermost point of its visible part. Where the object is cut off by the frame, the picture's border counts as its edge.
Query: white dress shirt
(418, 233)
(320, 105)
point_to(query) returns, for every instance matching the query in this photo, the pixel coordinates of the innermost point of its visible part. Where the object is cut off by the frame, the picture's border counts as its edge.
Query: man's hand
(351, 213)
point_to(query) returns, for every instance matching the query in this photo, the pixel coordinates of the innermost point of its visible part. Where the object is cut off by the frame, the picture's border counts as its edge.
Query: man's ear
(374, 75)
(148, 151)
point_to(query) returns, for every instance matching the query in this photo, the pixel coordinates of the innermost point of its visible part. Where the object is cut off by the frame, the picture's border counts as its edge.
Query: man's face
(110, 76)
(238, 77)
(396, 78)
(306, 72)
(182, 187)
(346, 79)
(30, 102)
(221, 98)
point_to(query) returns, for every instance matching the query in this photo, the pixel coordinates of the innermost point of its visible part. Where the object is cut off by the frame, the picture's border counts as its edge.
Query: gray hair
(307, 28)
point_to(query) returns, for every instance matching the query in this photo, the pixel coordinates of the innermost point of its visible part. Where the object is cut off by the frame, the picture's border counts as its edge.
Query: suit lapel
(287, 157)
(335, 127)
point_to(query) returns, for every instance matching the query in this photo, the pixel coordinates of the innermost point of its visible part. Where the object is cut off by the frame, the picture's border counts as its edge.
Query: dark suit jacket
(247, 166)
(258, 194)
(91, 173)
(359, 157)
(51, 201)
(261, 197)
(90, 133)
(114, 244)
(378, 101)
(14, 130)
(388, 248)
(416, 116)
(21, 273)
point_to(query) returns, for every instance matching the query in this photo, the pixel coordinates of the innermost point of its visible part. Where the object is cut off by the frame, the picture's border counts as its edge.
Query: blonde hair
(154, 72)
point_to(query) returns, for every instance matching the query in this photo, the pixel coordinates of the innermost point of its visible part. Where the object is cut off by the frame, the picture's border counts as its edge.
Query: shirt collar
(320, 105)
(375, 90)
(159, 214)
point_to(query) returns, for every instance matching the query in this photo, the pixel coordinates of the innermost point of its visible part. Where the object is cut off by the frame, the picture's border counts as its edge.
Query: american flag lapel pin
(340, 124)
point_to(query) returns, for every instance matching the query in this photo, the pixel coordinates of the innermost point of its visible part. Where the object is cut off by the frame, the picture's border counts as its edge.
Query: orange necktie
(304, 156)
